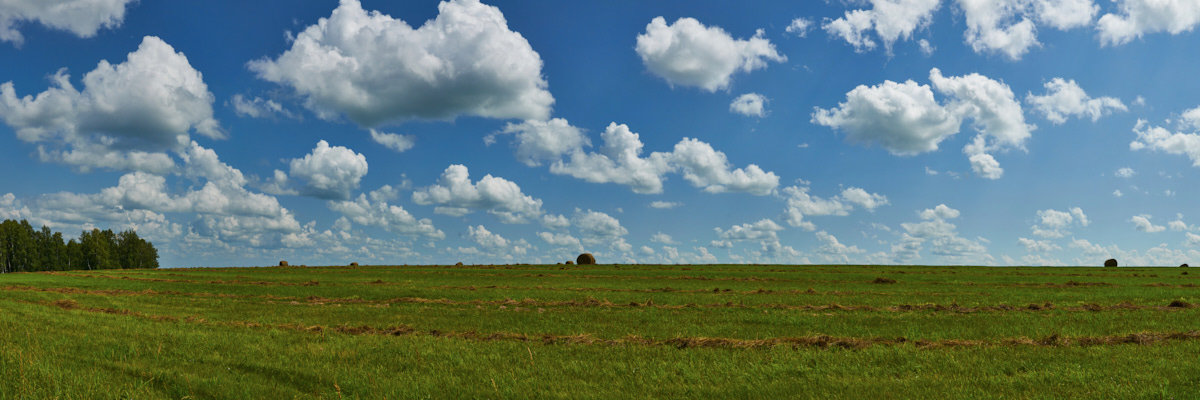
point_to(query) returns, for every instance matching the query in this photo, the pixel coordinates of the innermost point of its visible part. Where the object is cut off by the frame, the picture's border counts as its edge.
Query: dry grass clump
(1112, 262)
(283, 263)
(1179, 304)
(882, 280)
(585, 259)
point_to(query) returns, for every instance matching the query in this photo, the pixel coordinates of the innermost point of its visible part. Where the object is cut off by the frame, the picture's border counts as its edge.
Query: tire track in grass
(814, 341)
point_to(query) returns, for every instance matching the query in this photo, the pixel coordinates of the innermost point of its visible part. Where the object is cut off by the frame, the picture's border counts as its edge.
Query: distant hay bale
(458, 264)
(283, 263)
(569, 262)
(585, 259)
(882, 280)
(353, 264)
(1184, 265)
(1112, 262)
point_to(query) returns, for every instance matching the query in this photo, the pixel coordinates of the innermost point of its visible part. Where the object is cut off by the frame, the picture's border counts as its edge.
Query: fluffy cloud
(996, 113)
(455, 195)
(941, 237)
(486, 238)
(1055, 224)
(377, 212)
(1038, 246)
(258, 107)
(1125, 172)
(891, 20)
(835, 250)
(596, 226)
(799, 27)
(749, 104)
(1161, 139)
(707, 168)
(555, 221)
(620, 161)
(329, 172)
(869, 201)
(801, 204)
(1142, 223)
(1009, 27)
(1065, 99)
(375, 69)
(544, 141)
(763, 230)
(687, 53)
(81, 17)
(126, 117)
(904, 118)
(561, 240)
(227, 215)
(1139, 17)
(397, 142)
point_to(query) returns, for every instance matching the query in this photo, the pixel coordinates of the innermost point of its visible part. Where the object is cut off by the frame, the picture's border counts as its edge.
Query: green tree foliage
(24, 249)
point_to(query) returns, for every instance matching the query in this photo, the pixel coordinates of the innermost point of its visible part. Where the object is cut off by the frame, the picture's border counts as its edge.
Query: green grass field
(714, 331)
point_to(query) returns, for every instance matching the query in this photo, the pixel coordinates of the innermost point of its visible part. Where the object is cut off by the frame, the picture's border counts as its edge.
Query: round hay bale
(569, 262)
(283, 263)
(1112, 262)
(585, 259)
(458, 264)
(353, 264)
(1184, 265)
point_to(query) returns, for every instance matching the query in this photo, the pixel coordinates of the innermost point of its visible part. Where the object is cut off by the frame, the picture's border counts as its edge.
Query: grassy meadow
(602, 331)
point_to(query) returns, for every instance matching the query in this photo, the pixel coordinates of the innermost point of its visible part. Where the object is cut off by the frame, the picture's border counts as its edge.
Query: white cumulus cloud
(126, 117)
(455, 195)
(1157, 138)
(375, 69)
(1142, 223)
(749, 104)
(891, 20)
(397, 142)
(329, 172)
(1064, 98)
(687, 53)
(1139, 17)
(376, 211)
(620, 161)
(905, 119)
(545, 141)
(80, 17)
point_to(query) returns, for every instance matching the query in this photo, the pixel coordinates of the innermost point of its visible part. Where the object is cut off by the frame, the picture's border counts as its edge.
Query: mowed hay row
(591, 302)
(682, 303)
(817, 341)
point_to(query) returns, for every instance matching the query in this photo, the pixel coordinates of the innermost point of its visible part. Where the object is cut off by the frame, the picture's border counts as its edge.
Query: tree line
(24, 249)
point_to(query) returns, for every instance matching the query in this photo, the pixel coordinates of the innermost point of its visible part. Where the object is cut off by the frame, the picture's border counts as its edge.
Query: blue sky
(1007, 132)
